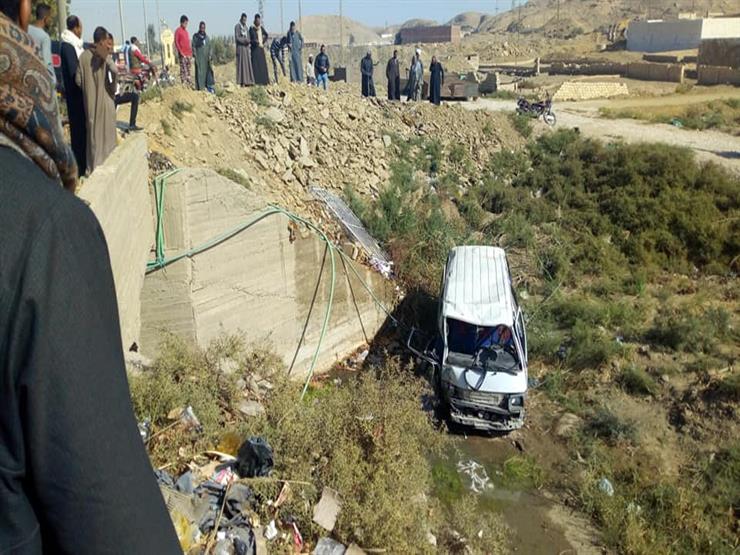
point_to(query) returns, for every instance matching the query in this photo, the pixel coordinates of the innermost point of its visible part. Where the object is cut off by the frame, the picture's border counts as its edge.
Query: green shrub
(179, 108)
(264, 121)
(729, 387)
(522, 123)
(607, 426)
(154, 92)
(223, 50)
(259, 96)
(590, 347)
(524, 472)
(637, 381)
(166, 127)
(235, 176)
(685, 328)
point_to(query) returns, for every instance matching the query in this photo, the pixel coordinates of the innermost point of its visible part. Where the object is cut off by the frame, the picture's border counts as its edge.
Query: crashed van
(479, 357)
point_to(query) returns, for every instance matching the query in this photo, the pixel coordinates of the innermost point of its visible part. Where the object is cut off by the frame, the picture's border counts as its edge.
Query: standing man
(71, 49)
(131, 97)
(366, 68)
(295, 43)
(202, 54)
(184, 50)
(310, 73)
(393, 74)
(244, 73)
(276, 53)
(436, 80)
(97, 76)
(258, 39)
(416, 77)
(322, 66)
(38, 33)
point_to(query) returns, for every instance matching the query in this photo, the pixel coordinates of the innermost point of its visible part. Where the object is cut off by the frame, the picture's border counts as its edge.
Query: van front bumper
(484, 417)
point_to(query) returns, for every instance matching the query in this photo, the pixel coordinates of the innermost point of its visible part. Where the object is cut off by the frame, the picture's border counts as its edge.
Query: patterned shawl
(29, 119)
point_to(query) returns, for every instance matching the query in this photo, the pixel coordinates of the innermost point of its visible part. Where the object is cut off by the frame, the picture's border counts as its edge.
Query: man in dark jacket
(74, 474)
(393, 74)
(71, 48)
(322, 66)
(366, 68)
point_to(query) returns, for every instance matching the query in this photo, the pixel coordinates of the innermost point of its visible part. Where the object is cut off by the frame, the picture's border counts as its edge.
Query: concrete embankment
(118, 193)
(261, 283)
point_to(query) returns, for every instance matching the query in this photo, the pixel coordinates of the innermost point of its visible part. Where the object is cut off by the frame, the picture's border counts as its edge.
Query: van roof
(477, 287)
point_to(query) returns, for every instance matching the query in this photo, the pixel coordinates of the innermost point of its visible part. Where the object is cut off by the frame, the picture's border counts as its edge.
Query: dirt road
(711, 146)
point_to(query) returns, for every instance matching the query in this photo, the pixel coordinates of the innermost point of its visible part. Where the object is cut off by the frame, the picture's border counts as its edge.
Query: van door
(521, 333)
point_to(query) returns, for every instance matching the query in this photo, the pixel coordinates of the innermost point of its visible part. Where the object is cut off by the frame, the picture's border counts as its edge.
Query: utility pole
(261, 8)
(120, 15)
(62, 13)
(159, 37)
(146, 32)
(341, 34)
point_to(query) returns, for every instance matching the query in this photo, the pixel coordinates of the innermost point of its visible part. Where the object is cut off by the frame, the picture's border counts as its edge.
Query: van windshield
(490, 347)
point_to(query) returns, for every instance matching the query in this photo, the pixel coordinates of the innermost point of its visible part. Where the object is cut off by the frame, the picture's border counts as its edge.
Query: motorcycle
(536, 110)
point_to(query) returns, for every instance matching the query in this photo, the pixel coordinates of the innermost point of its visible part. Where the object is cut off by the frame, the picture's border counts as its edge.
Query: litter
(271, 531)
(189, 420)
(606, 486)
(254, 458)
(328, 546)
(145, 430)
(479, 480)
(224, 476)
(383, 267)
(326, 510)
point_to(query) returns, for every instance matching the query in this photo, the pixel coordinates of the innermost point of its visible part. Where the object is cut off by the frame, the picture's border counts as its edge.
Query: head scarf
(70, 38)
(29, 119)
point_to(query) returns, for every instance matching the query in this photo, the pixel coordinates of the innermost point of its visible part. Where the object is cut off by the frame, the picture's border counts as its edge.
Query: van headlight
(516, 403)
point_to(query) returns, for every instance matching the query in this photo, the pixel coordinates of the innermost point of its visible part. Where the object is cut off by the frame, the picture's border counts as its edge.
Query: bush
(522, 123)
(590, 347)
(235, 176)
(179, 108)
(223, 50)
(259, 96)
(153, 92)
(166, 127)
(684, 328)
(637, 381)
(607, 426)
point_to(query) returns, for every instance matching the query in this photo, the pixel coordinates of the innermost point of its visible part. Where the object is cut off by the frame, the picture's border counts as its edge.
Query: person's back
(74, 474)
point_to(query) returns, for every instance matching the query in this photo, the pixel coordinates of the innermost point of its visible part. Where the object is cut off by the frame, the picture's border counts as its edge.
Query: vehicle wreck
(478, 359)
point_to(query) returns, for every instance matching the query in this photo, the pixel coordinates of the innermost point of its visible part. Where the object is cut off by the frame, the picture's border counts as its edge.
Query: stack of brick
(587, 90)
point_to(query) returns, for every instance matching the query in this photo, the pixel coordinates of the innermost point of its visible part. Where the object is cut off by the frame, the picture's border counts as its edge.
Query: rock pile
(293, 137)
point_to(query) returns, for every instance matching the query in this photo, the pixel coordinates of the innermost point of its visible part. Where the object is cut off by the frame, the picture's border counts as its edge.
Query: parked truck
(478, 359)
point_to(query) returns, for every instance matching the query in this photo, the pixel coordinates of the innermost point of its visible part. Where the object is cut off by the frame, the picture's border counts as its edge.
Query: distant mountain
(324, 29)
(469, 21)
(579, 16)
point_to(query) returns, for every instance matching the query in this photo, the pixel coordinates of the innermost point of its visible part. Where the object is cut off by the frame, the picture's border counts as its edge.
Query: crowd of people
(251, 62)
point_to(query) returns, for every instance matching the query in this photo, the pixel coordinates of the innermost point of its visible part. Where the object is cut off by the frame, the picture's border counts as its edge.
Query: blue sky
(221, 15)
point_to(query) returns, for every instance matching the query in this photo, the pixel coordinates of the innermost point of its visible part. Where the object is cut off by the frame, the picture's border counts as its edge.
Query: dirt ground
(713, 146)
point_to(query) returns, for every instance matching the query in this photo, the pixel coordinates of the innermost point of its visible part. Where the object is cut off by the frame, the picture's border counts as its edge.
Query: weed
(607, 426)
(179, 108)
(488, 129)
(235, 176)
(259, 96)
(523, 472)
(686, 328)
(265, 122)
(152, 93)
(684, 88)
(447, 486)
(590, 347)
(503, 95)
(522, 123)
(469, 528)
(637, 381)
(729, 387)
(457, 154)
(166, 127)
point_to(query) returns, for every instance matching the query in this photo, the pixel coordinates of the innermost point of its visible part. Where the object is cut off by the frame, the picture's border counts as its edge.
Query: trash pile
(211, 508)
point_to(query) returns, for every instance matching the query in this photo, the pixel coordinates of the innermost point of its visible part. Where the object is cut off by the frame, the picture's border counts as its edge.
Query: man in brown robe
(244, 74)
(97, 76)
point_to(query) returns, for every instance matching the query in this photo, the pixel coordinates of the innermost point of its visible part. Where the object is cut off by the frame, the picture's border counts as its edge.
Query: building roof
(477, 287)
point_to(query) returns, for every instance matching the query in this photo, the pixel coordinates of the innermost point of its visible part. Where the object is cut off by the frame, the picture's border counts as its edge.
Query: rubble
(306, 137)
